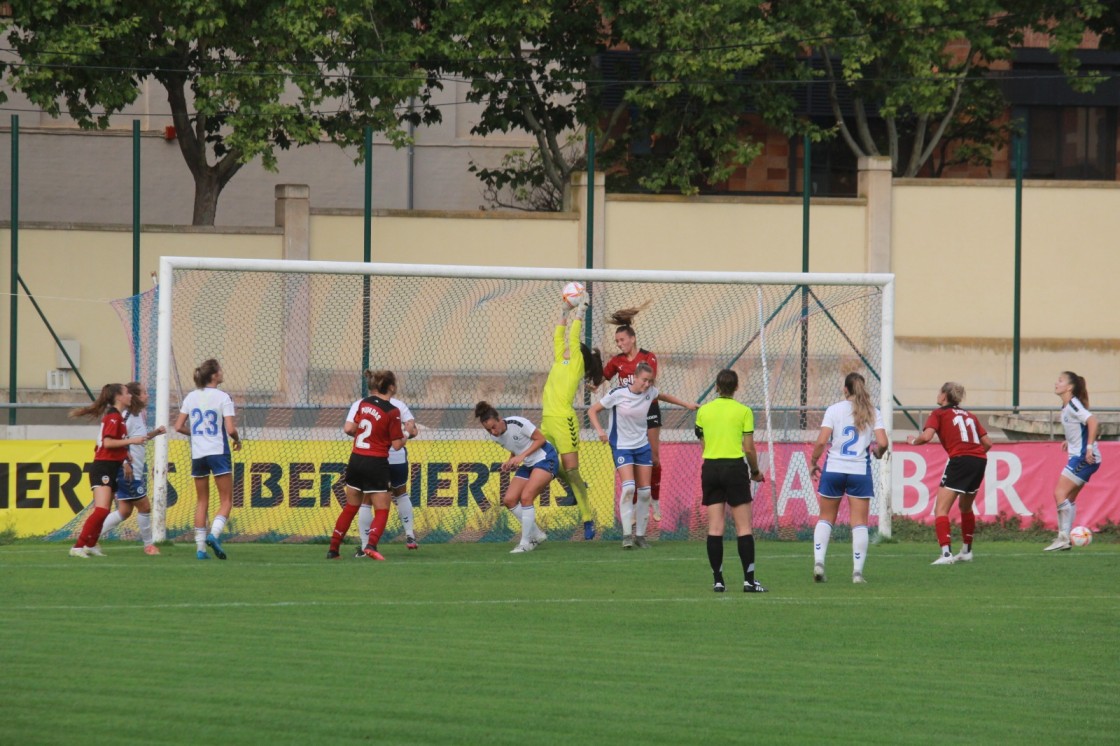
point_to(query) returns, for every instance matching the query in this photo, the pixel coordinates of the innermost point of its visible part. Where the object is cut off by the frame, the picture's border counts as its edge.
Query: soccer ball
(573, 293)
(1081, 536)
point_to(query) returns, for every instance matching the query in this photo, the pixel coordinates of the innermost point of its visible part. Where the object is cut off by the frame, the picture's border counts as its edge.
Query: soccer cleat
(151, 549)
(640, 542)
(95, 551)
(202, 555)
(588, 530)
(857, 578)
(628, 541)
(657, 510)
(522, 548)
(410, 542)
(360, 553)
(79, 552)
(945, 559)
(718, 587)
(212, 542)
(963, 556)
(539, 536)
(373, 554)
(818, 573)
(1061, 544)
(753, 586)
(331, 554)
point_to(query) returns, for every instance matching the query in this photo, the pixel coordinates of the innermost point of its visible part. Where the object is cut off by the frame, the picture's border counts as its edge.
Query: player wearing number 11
(967, 444)
(207, 417)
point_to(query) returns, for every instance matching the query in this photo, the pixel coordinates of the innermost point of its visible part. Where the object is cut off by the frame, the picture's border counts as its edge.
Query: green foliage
(521, 181)
(243, 77)
(275, 633)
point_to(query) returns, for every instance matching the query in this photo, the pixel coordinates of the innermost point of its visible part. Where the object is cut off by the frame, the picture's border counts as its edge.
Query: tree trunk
(206, 193)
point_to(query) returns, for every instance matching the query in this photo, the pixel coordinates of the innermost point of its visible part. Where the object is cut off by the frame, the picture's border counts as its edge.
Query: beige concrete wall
(741, 234)
(435, 237)
(953, 258)
(74, 272)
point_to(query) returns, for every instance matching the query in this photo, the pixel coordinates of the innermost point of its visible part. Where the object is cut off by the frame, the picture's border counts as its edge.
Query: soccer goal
(294, 336)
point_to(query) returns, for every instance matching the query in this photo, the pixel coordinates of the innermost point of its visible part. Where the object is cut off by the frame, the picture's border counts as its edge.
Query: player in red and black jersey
(623, 365)
(375, 425)
(967, 444)
(109, 453)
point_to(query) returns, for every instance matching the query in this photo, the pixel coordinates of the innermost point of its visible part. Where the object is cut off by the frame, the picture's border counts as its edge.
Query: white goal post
(750, 320)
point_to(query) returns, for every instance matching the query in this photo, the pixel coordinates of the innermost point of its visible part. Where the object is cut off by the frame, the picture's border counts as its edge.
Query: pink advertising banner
(1019, 481)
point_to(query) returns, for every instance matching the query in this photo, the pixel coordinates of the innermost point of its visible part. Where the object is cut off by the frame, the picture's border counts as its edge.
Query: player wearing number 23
(966, 443)
(852, 430)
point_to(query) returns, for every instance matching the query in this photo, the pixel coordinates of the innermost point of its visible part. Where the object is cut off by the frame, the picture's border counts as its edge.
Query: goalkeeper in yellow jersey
(559, 421)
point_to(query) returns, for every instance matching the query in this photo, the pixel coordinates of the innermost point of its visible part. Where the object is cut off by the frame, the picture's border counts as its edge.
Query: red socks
(968, 528)
(380, 518)
(655, 483)
(342, 525)
(941, 525)
(91, 529)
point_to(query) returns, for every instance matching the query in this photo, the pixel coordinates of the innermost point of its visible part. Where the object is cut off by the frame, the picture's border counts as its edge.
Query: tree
(243, 77)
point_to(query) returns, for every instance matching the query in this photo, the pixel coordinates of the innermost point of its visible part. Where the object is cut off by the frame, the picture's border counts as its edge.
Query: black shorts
(653, 416)
(964, 474)
(368, 473)
(104, 474)
(725, 480)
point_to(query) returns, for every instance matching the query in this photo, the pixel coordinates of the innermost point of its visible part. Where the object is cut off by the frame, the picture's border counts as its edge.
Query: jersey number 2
(365, 428)
(853, 437)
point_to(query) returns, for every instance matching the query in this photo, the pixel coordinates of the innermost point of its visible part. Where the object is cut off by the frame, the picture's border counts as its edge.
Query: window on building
(1071, 142)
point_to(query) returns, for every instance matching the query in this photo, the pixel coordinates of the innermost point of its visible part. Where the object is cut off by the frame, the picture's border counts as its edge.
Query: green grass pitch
(574, 643)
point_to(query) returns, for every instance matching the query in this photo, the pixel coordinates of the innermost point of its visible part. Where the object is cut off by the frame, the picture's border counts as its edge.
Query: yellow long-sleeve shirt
(565, 375)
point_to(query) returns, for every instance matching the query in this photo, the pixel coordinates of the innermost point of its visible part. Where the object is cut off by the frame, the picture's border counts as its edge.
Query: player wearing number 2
(848, 429)
(207, 417)
(375, 425)
(967, 443)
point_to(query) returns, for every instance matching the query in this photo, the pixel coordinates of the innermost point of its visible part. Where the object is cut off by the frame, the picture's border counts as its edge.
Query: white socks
(528, 523)
(626, 507)
(644, 499)
(144, 522)
(404, 510)
(200, 538)
(111, 522)
(821, 534)
(217, 526)
(1066, 513)
(365, 520)
(859, 548)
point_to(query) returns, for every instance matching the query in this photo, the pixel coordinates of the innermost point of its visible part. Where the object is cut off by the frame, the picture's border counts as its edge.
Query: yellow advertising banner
(294, 489)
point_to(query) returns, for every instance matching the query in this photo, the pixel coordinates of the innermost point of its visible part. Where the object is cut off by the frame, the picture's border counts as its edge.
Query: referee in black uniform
(730, 465)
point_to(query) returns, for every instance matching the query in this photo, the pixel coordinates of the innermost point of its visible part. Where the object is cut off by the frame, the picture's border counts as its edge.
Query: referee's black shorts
(725, 480)
(964, 474)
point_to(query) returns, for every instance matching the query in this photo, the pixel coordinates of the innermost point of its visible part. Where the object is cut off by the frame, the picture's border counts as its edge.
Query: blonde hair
(954, 393)
(863, 411)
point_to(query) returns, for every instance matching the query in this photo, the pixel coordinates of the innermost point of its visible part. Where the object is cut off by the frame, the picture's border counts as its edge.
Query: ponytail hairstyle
(624, 318)
(643, 367)
(1080, 389)
(485, 412)
(108, 395)
(592, 364)
(954, 393)
(205, 371)
(727, 382)
(135, 388)
(381, 380)
(863, 411)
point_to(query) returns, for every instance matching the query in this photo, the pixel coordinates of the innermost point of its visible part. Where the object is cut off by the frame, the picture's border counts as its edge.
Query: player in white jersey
(385, 384)
(206, 416)
(629, 441)
(1081, 429)
(132, 484)
(853, 431)
(534, 462)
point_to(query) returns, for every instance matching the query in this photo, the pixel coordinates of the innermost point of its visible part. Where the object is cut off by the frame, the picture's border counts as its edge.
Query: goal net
(294, 337)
